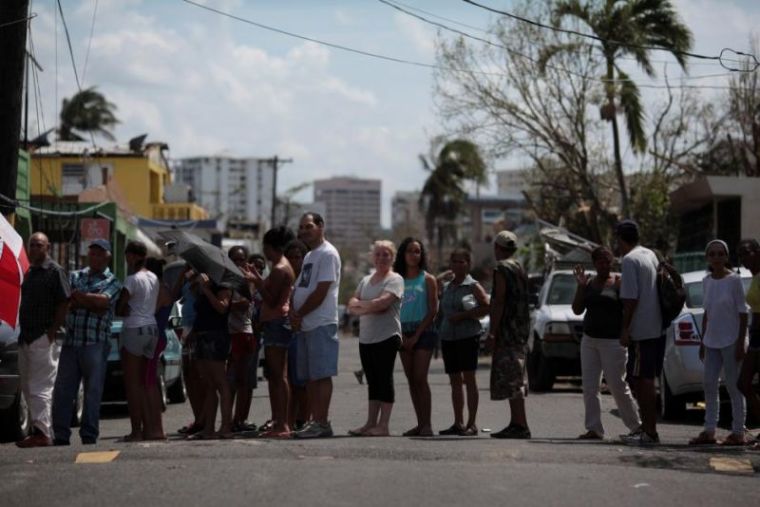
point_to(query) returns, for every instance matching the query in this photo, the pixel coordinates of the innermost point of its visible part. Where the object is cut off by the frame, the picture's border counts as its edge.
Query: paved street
(551, 469)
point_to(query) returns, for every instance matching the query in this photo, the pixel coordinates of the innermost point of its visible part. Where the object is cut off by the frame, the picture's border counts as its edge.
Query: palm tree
(626, 28)
(443, 193)
(87, 111)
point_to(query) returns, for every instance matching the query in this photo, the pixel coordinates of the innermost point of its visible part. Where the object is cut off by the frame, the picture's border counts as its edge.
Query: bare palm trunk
(616, 141)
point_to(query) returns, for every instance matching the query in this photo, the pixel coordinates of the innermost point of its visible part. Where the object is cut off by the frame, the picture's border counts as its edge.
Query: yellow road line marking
(97, 457)
(733, 465)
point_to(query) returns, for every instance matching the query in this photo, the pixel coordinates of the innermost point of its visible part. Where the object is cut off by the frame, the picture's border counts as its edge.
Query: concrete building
(352, 211)
(65, 169)
(512, 182)
(406, 217)
(725, 207)
(238, 189)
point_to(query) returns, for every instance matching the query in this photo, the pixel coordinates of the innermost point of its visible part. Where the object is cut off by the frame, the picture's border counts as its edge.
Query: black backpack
(670, 292)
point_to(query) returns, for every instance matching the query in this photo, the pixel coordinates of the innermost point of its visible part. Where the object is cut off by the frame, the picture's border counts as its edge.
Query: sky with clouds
(207, 84)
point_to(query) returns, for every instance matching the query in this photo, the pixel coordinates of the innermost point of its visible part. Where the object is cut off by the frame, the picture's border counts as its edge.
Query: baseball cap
(101, 243)
(506, 239)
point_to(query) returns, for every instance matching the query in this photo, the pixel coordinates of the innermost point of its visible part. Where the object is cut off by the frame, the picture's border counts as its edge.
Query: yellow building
(66, 169)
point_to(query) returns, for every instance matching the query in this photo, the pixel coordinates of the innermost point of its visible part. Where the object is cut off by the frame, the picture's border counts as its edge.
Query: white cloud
(421, 35)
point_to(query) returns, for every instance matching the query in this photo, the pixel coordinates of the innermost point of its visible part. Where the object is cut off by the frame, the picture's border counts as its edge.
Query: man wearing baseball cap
(508, 337)
(94, 291)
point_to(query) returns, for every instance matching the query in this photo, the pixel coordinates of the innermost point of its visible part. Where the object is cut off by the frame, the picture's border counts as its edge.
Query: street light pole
(275, 161)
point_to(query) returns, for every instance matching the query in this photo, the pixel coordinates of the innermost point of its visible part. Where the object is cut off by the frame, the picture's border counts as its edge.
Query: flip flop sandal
(590, 435)
(703, 439)
(201, 436)
(357, 433)
(276, 435)
(414, 432)
(734, 440)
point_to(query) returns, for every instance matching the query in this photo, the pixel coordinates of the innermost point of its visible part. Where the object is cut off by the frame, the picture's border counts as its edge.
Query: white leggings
(715, 360)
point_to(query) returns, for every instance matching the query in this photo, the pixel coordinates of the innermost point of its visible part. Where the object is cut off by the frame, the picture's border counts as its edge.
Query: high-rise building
(352, 211)
(239, 189)
(406, 217)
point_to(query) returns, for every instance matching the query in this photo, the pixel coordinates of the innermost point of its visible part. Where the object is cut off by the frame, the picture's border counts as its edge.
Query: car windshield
(694, 294)
(562, 290)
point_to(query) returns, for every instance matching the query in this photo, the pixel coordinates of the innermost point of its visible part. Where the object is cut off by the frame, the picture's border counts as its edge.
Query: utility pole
(13, 26)
(276, 161)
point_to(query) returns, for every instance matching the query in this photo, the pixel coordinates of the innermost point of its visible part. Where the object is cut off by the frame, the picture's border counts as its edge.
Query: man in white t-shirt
(314, 318)
(642, 328)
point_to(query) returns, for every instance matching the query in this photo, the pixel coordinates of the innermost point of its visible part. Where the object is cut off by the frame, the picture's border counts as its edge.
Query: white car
(555, 333)
(681, 379)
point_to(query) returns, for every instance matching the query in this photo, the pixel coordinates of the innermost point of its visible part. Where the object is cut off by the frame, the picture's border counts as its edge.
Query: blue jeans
(77, 364)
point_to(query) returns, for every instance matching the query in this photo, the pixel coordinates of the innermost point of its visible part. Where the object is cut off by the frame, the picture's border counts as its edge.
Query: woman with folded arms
(377, 302)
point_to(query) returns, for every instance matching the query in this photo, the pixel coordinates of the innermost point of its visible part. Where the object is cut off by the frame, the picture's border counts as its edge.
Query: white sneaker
(641, 439)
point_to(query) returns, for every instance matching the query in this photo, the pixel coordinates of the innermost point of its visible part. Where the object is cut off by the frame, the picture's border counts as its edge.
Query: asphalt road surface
(551, 469)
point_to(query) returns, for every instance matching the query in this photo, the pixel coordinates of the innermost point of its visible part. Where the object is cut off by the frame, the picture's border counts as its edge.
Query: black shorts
(460, 355)
(212, 345)
(645, 358)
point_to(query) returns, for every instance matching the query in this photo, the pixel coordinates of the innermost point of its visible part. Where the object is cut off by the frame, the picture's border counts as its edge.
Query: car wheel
(541, 375)
(16, 420)
(177, 392)
(78, 409)
(672, 407)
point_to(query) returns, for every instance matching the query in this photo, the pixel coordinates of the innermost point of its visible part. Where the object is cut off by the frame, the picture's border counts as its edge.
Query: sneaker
(36, 440)
(634, 433)
(513, 432)
(89, 440)
(314, 429)
(60, 441)
(642, 439)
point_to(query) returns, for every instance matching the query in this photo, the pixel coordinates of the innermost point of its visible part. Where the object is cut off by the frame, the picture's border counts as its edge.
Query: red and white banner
(13, 265)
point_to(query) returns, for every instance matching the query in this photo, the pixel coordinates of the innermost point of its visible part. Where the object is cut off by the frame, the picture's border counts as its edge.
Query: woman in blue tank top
(418, 310)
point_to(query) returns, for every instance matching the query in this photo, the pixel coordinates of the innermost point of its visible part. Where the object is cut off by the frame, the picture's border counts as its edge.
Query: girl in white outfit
(724, 328)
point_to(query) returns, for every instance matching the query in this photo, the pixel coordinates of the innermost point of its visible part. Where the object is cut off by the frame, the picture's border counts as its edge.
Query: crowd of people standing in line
(403, 310)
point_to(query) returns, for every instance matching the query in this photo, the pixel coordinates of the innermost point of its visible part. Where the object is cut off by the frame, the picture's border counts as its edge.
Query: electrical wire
(401, 60)
(485, 31)
(521, 55)
(17, 21)
(719, 58)
(42, 211)
(89, 42)
(68, 41)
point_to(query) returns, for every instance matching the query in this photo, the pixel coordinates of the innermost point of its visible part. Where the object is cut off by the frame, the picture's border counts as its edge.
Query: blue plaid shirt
(84, 327)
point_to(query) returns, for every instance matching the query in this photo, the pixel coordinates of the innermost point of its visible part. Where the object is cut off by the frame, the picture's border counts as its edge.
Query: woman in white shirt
(138, 341)
(377, 301)
(724, 327)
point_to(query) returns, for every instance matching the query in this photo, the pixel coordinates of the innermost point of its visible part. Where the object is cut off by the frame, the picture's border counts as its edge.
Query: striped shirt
(84, 327)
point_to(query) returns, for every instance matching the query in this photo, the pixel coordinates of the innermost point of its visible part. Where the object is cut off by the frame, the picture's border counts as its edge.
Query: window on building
(73, 179)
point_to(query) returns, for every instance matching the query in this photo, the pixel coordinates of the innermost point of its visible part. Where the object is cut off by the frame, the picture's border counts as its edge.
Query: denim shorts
(318, 352)
(428, 340)
(139, 341)
(276, 334)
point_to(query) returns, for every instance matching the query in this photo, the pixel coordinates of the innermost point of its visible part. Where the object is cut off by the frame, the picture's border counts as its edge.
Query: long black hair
(399, 265)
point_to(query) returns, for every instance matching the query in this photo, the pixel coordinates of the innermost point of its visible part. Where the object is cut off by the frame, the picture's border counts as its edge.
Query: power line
(527, 57)
(68, 41)
(42, 211)
(89, 41)
(17, 21)
(392, 58)
(719, 58)
(485, 31)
